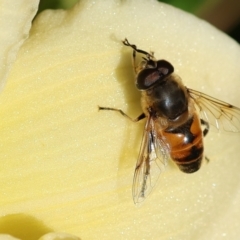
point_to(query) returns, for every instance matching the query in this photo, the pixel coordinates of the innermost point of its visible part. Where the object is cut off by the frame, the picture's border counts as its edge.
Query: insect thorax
(167, 99)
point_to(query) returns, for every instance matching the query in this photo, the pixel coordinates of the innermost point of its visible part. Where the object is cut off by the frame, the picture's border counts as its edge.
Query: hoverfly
(177, 120)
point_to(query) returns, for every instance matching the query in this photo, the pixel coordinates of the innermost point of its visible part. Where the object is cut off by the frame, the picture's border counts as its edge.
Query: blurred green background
(223, 14)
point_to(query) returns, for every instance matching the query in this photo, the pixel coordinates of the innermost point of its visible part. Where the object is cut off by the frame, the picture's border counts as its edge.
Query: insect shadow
(126, 77)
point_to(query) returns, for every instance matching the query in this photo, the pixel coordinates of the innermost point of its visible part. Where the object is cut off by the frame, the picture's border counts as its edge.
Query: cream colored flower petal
(15, 21)
(58, 236)
(70, 166)
(48, 236)
(7, 237)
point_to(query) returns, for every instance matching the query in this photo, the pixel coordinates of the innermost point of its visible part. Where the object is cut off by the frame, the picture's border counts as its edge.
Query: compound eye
(149, 76)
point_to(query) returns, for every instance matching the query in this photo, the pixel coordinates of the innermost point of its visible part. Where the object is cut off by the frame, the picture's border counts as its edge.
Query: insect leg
(140, 117)
(207, 159)
(134, 47)
(206, 129)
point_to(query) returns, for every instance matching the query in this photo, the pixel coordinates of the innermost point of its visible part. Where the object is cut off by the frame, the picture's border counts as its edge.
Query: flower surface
(69, 168)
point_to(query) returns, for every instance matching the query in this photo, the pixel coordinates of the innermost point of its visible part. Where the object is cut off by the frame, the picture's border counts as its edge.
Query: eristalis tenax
(177, 120)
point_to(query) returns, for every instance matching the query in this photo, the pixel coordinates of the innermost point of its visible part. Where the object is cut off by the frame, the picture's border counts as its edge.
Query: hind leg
(205, 132)
(206, 129)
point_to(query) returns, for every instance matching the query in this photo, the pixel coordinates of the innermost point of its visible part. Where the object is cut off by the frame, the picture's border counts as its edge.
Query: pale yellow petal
(7, 237)
(71, 167)
(15, 21)
(58, 236)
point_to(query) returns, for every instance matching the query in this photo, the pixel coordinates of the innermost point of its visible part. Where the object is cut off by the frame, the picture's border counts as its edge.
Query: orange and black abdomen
(186, 144)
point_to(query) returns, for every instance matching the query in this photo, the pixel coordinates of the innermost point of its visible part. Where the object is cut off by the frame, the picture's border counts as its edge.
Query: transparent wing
(151, 162)
(219, 114)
